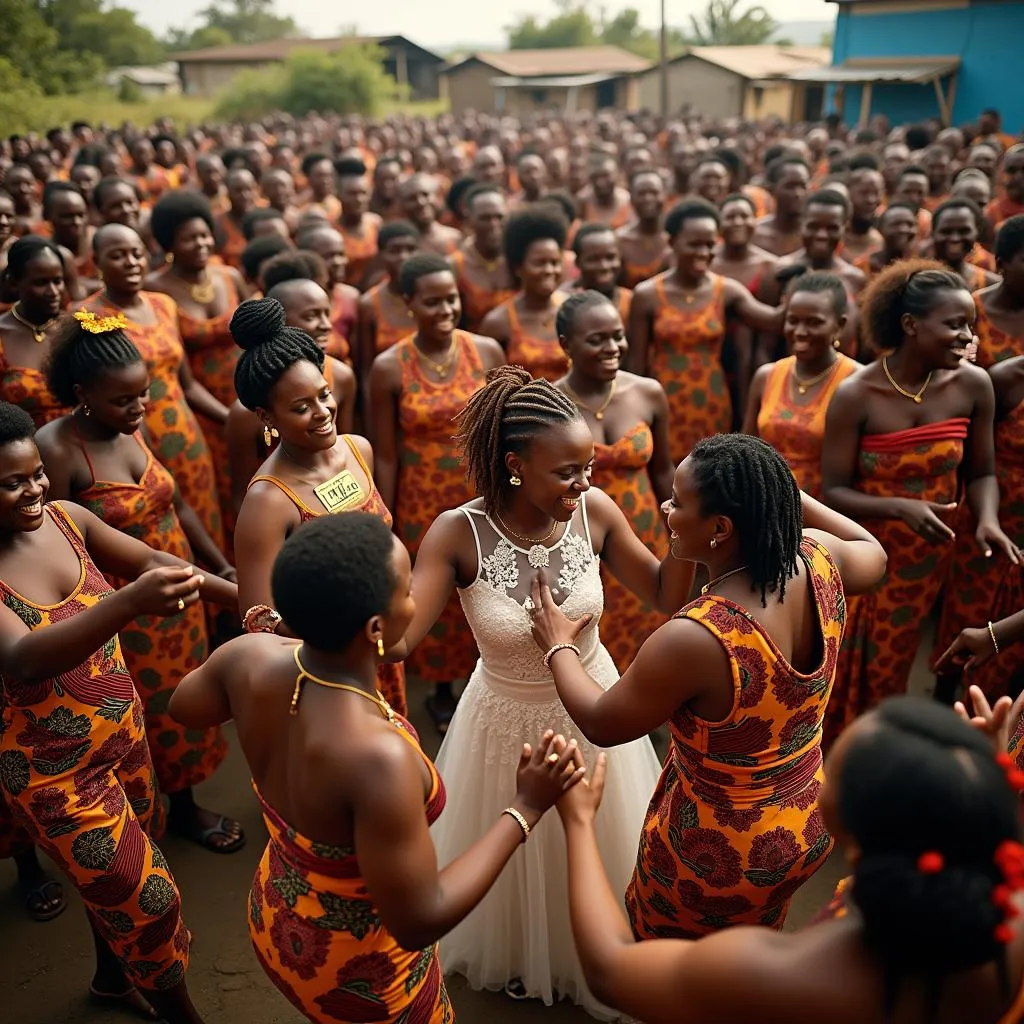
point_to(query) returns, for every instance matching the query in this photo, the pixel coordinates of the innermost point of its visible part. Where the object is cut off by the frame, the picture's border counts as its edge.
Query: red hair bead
(930, 863)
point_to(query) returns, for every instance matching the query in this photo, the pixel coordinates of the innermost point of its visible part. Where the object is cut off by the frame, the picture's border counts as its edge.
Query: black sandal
(35, 899)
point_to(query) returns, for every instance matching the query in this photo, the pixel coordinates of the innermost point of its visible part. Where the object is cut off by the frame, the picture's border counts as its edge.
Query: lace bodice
(495, 602)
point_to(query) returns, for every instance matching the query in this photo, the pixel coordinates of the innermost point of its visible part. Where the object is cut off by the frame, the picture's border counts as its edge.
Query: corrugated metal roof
(278, 49)
(576, 60)
(919, 73)
(553, 82)
(761, 61)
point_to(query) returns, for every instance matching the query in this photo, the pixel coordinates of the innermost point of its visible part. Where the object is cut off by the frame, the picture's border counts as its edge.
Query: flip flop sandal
(36, 897)
(203, 836)
(515, 989)
(441, 712)
(131, 1001)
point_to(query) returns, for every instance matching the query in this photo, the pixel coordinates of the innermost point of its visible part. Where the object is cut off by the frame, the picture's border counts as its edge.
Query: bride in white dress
(529, 455)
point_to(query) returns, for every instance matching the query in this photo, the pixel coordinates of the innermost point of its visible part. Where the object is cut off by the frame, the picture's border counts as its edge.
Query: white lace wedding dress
(521, 929)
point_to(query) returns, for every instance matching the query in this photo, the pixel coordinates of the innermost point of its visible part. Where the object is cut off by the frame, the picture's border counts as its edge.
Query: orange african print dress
(320, 939)
(431, 480)
(26, 387)
(733, 829)
(884, 625)
(636, 273)
(542, 356)
(477, 301)
(231, 241)
(994, 344)
(213, 355)
(980, 589)
(344, 314)
(386, 334)
(160, 652)
(178, 440)
(390, 676)
(685, 355)
(796, 430)
(75, 767)
(360, 250)
(621, 471)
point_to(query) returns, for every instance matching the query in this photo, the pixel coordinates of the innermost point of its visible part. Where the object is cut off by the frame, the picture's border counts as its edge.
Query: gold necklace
(443, 368)
(803, 385)
(526, 540)
(598, 413)
(718, 579)
(385, 708)
(538, 555)
(38, 331)
(204, 291)
(903, 391)
(489, 265)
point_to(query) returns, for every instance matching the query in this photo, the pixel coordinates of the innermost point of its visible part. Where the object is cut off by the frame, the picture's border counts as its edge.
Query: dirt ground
(45, 968)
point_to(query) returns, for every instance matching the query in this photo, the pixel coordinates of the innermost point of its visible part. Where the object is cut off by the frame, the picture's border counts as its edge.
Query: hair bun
(509, 373)
(257, 321)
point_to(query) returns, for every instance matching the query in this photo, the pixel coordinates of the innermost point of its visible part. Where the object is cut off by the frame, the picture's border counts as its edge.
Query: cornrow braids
(907, 286)
(576, 303)
(79, 357)
(270, 350)
(747, 480)
(506, 415)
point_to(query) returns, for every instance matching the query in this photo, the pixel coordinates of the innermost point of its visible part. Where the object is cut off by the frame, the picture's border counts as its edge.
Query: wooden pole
(865, 104)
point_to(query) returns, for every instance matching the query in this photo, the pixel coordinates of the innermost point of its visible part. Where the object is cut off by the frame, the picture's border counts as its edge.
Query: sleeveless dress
(178, 439)
(344, 314)
(319, 939)
(431, 480)
(636, 273)
(76, 770)
(794, 430)
(477, 301)
(521, 928)
(386, 334)
(734, 829)
(159, 652)
(231, 241)
(621, 471)
(685, 355)
(543, 357)
(390, 676)
(360, 250)
(884, 625)
(26, 387)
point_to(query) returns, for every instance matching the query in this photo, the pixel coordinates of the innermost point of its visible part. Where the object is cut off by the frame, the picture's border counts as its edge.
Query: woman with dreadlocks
(733, 829)
(530, 454)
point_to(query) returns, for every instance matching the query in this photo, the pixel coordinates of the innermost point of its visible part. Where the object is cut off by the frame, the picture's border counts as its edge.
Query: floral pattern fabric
(733, 829)
(542, 356)
(27, 387)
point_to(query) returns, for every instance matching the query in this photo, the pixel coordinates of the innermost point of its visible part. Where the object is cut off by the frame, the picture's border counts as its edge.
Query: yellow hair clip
(101, 325)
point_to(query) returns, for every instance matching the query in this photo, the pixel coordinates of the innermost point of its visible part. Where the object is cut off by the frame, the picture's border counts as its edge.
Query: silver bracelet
(559, 647)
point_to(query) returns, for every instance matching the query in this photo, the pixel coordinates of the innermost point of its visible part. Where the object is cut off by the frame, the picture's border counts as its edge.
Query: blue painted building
(917, 59)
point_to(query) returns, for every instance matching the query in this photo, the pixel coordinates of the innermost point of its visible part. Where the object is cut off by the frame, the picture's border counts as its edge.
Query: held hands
(578, 806)
(997, 722)
(989, 536)
(166, 590)
(922, 517)
(550, 625)
(545, 773)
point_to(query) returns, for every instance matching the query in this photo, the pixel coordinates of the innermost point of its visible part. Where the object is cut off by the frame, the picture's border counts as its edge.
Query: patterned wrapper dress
(477, 301)
(542, 356)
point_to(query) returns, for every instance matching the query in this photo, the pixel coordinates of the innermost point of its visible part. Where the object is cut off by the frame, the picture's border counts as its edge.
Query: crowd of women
(658, 423)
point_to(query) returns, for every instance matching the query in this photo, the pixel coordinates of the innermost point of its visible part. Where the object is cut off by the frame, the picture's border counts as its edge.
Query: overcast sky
(449, 22)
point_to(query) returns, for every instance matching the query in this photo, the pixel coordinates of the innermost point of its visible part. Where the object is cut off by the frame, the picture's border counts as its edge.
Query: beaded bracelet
(261, 618)
(559, 647)
(520, 821)
(992, 634)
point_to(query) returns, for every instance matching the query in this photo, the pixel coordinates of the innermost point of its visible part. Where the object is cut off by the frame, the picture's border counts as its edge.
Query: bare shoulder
(491, 353)
(363, 446)
(341, 372)
(649, 387)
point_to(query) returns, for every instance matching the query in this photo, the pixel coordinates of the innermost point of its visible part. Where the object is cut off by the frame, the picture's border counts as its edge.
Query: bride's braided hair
(505, 415)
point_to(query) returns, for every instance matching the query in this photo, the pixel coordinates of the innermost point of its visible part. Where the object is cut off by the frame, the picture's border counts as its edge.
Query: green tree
(248, 21)
(201, 39)
(723, 24)
(572, 26)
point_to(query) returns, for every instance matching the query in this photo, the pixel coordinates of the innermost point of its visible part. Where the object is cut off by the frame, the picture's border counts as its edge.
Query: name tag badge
(340, 493)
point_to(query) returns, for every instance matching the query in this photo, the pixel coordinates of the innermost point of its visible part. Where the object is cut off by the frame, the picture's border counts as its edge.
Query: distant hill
(805, 33)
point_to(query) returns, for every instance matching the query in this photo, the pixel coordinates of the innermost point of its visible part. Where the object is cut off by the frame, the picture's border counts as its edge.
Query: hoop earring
(380, 647)
(514, 480)
(714, 543)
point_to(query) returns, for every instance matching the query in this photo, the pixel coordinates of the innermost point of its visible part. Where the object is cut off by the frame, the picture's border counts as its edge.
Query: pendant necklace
(598, 413)
(443, 368)
(38, 330)
(803, 385)
(903, 391)
(538, 555)
(385, 708)
(718, 579)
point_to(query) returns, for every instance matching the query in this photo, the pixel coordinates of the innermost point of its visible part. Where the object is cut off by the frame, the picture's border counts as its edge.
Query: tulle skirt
(521, 928)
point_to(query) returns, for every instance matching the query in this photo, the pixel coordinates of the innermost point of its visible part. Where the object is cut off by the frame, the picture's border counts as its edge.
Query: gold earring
(99, 275)
(714, 543)
(169, 258)
(380, 647)
(266, 435)
(86, 411)
(514, 480)
(836, 343)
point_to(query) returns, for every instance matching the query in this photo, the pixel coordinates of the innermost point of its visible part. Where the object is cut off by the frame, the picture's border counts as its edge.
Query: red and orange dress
(621, 471)
(541, 356)
(213, 355)
(636, 273)
(994, 344)
(477, 301)
(360, 249)
(733, 829)
(794, 429)
(390, 676)
(231, 241)
(320, 940)
(685, 355)
(344, 316)
(884, 625)
(981, 589)
(178, 440)
(27, 388)
(76, 769)
(386, 333)
(431, 480)
(160, 652)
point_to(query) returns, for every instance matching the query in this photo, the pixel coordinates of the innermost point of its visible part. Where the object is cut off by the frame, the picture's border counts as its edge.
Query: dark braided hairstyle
(920, 780)
(506, 415)
(293, 265)
(270, 350)
(907, 286)
(741, 477)
(576, 303)
(80, 357)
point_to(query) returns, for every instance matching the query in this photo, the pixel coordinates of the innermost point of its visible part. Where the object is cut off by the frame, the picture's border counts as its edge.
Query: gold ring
(553, 758)
(181, 604)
